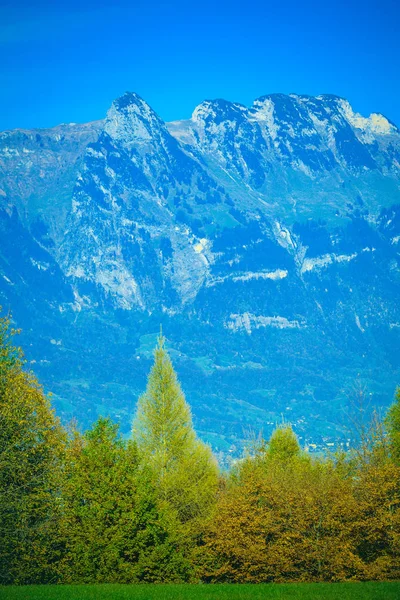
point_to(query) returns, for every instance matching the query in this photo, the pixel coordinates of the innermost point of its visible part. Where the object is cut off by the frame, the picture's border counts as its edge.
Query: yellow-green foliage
(393, 426)
(94, 508)
(184, 468)
(285, 517)
(31, 454)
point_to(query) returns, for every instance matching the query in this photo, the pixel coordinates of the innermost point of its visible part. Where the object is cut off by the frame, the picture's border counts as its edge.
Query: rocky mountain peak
(265, 238)
(376, 123)
(217, 111)
(130, 120)
(128, 99)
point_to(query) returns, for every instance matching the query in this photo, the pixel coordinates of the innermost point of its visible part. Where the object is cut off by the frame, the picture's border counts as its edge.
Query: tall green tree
(31, 457)
(393, 427)
(113, 526)
(184, 468)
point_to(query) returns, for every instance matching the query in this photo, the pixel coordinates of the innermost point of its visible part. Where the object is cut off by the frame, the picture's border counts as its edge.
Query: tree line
(94, 508)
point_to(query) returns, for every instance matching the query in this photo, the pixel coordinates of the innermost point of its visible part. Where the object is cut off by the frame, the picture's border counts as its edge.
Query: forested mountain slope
(264, 239)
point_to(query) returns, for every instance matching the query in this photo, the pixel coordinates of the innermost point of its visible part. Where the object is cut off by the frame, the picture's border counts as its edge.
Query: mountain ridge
(242, 229)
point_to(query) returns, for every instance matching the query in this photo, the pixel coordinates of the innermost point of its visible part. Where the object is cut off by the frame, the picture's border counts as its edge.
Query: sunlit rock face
(264, 239)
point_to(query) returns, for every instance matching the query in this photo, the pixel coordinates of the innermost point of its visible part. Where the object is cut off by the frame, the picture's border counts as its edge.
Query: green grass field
(304, 591)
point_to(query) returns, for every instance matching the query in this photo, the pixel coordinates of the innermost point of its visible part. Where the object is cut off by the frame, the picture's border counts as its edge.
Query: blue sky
(64, 62)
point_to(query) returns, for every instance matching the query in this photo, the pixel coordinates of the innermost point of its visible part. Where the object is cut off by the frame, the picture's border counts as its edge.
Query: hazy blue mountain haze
(265, 239)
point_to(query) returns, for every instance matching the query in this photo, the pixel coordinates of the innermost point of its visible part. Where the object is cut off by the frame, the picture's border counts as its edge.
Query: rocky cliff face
(265, 239)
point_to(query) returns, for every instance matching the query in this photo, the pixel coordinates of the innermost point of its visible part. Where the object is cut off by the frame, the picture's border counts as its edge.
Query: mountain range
(265, 240)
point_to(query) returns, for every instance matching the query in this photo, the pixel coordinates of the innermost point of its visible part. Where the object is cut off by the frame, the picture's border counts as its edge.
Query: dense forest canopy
(95, 507)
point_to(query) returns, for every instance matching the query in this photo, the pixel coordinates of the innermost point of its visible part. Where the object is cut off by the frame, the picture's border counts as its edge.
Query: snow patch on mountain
(358, 323)
(39, 265)
(248, 322)
(274, 275)
(249, 276)
(311, 264)
(375, 123)
(263, 112)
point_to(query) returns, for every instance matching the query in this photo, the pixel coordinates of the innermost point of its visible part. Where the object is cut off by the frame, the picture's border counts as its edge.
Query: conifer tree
(113, 526)
(184, 468)
(163, 424)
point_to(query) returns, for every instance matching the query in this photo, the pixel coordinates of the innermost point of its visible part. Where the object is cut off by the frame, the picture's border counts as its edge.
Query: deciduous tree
(31, 453)
(393, 427)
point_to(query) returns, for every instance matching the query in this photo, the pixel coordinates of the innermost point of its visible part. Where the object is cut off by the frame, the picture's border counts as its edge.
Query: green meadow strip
(300, 591)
